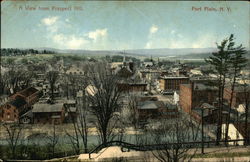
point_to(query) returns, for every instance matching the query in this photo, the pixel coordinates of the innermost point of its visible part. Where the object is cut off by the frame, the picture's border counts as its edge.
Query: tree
(246, 101)
(82, 123)
(13, 136)
(220, 61)
(132, 114)
(104, 98)
(238, 62)
(74, 139)
(52, 77)
(170, 136)
(53, 141)
(16, 79)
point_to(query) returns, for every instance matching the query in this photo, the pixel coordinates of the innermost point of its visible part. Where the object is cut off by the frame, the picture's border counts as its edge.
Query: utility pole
(202, 131)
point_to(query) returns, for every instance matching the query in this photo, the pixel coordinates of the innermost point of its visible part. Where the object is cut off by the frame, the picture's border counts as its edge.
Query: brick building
(18, 104)
(30, 95)
(172, 83)
(10, 111)
(193, 95)
(238, 95)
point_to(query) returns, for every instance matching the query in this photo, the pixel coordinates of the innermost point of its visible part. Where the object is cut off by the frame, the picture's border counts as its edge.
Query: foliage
(220, 61)
(23, 52)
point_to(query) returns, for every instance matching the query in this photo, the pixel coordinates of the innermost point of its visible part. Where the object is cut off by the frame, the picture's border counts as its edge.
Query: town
(126, 81)
(120, 97)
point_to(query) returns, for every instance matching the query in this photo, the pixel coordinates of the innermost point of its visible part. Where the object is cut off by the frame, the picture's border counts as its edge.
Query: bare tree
(52, 77)
(53, 140)
(13, 136)
(132, 106)
(82, 123)
(74, 138)
(104, 98)
(17, 79)
(171, 136)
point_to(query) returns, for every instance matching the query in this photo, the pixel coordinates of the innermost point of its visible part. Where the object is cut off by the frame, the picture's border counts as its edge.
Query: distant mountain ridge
(139, 52)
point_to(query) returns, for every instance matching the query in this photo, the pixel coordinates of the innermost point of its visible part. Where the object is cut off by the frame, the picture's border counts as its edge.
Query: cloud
(76, 42)
(207, 40)
(173, 31)
(69, 41)
(51, 23)
(49, 20)
(98, 33)
(148, 45)
(92, 39)
(153, 29)
(62, 35)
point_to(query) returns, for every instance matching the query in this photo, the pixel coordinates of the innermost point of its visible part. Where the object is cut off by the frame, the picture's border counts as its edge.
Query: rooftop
(199, 86)
(174, 77)
(28, 91)
(43, 107)
(150, 104)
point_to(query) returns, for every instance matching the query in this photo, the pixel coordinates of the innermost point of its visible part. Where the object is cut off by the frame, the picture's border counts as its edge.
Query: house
(30, 95)
(172, 83)
(194, 94)
(238, 96)
(11, 111)
(196, 71)
(44, 113)
(73, 70)
(19, 104)
(148, 64)
(211, 112)
(132, 87)
(150, 107)
(169, 111)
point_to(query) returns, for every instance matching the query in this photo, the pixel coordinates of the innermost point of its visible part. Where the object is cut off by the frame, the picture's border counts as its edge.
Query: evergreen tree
(238, 62)
(220, 61)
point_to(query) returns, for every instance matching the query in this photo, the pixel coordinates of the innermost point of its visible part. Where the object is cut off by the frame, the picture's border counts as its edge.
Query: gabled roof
(207, 106)
(28, 91)
(150, 104)
(42, 107)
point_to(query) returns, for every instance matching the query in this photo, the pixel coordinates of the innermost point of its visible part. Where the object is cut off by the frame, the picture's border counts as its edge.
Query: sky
(116, 25)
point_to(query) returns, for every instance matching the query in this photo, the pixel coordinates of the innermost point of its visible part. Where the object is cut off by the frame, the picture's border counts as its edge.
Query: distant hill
(185, 53)
(140, 52)
(202, 56)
